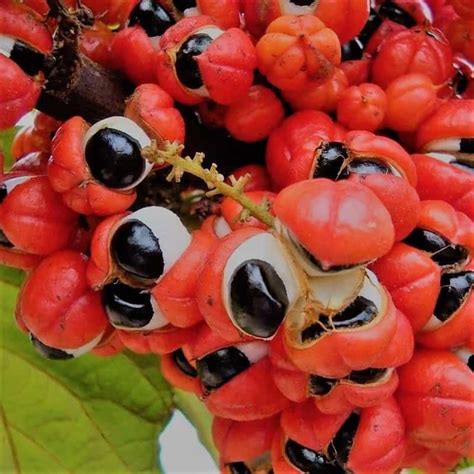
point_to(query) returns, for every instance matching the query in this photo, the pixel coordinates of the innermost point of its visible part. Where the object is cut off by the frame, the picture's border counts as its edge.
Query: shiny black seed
(183, 364)
(126, 306)
(317, 263)
(442, 251)
(238, 468)
(187, 68)
(3, 192)
(303, 3)
(83, 222)
(49, 352)
(366, 375)
(152, 17)
(137, 250)
(183, 5)
(466, 145)
(465, 165)
(4, 241)
(371, 26)
(393, 12)
(454, 290)
(359, 313)
(459, 83)
(368, 166)
(341, 445)
(320, 385)
(114, 158)
(389, 133)
(470, 362)
(313, 332)
(352, 50)
(217, 368)
(310, 461)
(258, 298)
(331, 160)
(28, 58)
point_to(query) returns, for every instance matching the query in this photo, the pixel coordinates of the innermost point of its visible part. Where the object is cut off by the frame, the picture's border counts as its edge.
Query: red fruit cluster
(339, 338)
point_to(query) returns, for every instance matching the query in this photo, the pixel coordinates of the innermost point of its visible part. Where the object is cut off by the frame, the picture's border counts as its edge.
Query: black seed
(459, 83)
(49, 352)
(183, 5)
(393, 12)
(137, 250)
(442, 251)
(83, 222)
(258, 298)
(183, 364)
(29, 59)
(366, 375)
(359, 313)
(320, 385)
(389, 133)
(368, 166)
(318, 264)
(313, 332)
(4, 241)
(3, 192)
(114, 158)
(352, 50)
(217, 368)
(371, 26)
(310, 461)
(152, 17)
(341, 445)
(331, 158)
(303, 3)
(238, 468)
(465, 165)
(466, 145)
(455, 288)
(470, 362)
(126, 306)
(187, 68)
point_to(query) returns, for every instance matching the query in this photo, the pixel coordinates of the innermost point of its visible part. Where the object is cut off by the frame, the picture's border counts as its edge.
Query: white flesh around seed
(194, 11)
(463, 354)
(373, 291)
(6, 45)
(289, 8)
(214, 32)
(334, 292)
(444, 145)
(12, 183)
(221, 227)
(444, 157)
(263, 246)
(301, 259)
(78, 351)
(125, 125)
(167, 227)
(254, 351)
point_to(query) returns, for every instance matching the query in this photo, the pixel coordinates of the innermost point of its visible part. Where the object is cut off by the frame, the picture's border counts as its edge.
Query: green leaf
(6, 138)
(88, 415)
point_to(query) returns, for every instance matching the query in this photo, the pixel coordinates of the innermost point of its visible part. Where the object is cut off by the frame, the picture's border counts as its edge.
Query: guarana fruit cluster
(337, 335)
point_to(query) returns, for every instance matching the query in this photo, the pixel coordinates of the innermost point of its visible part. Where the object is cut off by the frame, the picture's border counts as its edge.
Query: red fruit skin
(56, 304)
(153, 110)
(138, 64)
(323, 97)
(436, 398)
(34, 218)
(226, 66)
(178, 378)
(324, 215)
(209, 292)
(35, 163)
(69, 175)
(259, 179)
(452, 119)
(258, 15)
(16, 259)
(225, 12)
(29, 140)
(356, 71)
(243, 440)
(431, 461)
(379, 442)
(384, 31)
(463, 8)
(176, 291)
(385, 344)
(291, 147)
(18, 94)
(231, 210)
(253, 118)
(112, 11)
(362, 107)
(161, 341)
(297, 51)
(413, 281)
(412, 51)
(96, 43)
